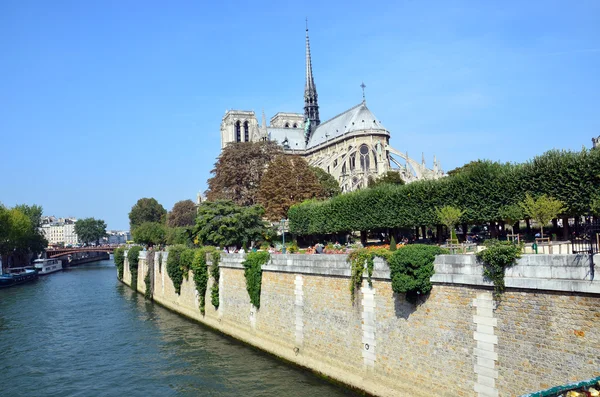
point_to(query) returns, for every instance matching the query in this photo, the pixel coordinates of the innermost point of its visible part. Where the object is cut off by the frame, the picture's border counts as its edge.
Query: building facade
(352, 146)
(59, 230)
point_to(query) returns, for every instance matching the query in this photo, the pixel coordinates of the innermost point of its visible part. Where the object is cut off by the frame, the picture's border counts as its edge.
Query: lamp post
(283, 235)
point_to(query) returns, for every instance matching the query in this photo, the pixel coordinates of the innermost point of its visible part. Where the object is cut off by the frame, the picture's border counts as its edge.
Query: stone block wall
(457, 341)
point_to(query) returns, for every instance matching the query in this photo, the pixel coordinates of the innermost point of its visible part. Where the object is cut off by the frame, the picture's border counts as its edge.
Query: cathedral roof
(358, 118)
(294, 136)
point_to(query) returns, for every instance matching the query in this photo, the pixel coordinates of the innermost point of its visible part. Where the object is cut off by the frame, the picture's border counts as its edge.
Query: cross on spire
(363, 86)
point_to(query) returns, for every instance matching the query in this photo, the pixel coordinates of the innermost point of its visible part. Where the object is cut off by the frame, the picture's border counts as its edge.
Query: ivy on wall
(360, 260)
(496, 258)
(119, 258)
(174, 268)
(253, 273)
(216, 274)
(133, 257)
(149, 293)
(200, 270)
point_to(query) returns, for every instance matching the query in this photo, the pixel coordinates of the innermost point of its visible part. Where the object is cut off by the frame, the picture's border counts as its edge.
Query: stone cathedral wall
(457, 341)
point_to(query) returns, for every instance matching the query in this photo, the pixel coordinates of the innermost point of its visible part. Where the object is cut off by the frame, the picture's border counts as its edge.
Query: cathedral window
(287, 125)
(238, 131)
(344, 169)
(365, 162)
(295, 125)
(352, 161)
(246, 132)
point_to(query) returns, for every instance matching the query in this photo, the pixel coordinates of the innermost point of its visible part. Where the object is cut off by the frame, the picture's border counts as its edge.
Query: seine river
(82, 333)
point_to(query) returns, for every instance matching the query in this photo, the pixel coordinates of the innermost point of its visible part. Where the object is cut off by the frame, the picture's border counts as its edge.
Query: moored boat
(47, 266)
(17, 276)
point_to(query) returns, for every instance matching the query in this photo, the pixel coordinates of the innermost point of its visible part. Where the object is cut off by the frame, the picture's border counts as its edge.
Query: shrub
(411, 268)
(215, 273)
(201, 275)
(393, 244)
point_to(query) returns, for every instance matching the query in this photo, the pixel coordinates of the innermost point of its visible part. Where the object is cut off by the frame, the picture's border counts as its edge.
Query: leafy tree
(542, 210)
(511, 214)
(179, 235)
(222, 223)
(183, 214)
(146, 210)
(19, 235)
(288, 181)
(329, 185)
(449, 216)
(595, 204)
(390, 177)
(90, 229)
(150, 233)
(239, 171)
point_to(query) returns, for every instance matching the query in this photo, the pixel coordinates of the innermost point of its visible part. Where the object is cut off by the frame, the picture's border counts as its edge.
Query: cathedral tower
(311, 105)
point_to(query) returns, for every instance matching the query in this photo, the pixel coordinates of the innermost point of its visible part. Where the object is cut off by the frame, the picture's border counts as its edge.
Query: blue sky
(105, 102)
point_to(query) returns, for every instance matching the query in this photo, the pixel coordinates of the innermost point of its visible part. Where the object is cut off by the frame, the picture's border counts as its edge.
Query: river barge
(17, 276)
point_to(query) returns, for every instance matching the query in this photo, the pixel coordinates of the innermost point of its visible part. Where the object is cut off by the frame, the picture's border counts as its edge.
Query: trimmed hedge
(482, 189)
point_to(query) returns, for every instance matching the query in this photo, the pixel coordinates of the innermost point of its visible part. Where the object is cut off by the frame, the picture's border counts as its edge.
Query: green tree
(146, 210)
(390, 177)
(183, 214)
(595, 204)
(449, 216)
(19, 236)
(542, 210)
(239, 171)
(150, 233)
(90, 229)
(511, 214)
(465, 167)
(179, 235)
(222, 223)
(288, 181)
(329, 185)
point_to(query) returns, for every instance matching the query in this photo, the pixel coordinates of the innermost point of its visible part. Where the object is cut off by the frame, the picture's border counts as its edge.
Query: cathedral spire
(311, 105)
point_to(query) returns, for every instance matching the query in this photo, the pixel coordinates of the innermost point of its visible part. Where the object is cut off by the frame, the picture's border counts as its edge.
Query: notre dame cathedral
(351, 146)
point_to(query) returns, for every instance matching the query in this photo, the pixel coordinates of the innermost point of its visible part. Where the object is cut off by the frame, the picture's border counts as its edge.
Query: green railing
(555, 391)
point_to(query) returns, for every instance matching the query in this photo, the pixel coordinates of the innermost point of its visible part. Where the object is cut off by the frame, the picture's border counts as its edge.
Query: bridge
(55, 253)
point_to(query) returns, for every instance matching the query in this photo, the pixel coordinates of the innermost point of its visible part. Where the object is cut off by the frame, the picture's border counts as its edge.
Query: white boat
(47, 266)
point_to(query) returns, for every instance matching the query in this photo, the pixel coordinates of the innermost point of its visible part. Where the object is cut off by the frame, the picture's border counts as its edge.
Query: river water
(82, 333)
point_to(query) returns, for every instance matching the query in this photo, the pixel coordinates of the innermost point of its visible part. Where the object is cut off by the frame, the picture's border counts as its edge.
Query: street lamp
(283, 235)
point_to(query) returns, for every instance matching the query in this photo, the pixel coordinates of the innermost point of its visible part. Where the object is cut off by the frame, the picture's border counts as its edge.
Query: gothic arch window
(344, 169)
(287, 125)
(352, 161)
(246, 132)
(295, 125)
(238, 131)
(365, 161)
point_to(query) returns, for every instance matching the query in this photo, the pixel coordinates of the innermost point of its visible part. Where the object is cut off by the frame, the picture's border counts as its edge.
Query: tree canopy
(223, 223)
(150, 233)
(183, 214)
(146, 210)
(90, 229)
(239, 171)
(329, 185)
(287, 181)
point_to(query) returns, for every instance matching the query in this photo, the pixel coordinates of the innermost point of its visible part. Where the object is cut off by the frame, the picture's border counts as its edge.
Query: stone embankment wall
(457, 341)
